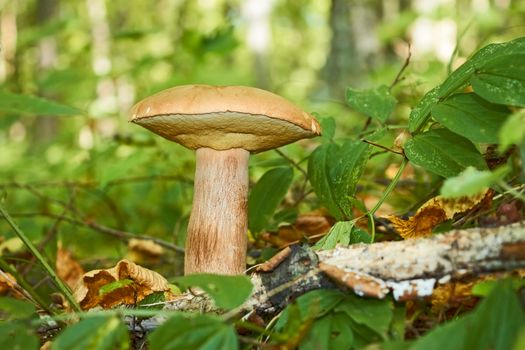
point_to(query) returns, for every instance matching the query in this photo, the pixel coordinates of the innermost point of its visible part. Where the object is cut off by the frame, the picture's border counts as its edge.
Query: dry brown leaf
(435, 211)
(307, 225)
(145, 282)
(6, 282)
(144, 251)
(68, 269)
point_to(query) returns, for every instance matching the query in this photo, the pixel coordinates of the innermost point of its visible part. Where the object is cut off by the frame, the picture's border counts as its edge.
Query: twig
(104, 229)
(57, 281)
(382, 147)
(403, 68)
(292, 162)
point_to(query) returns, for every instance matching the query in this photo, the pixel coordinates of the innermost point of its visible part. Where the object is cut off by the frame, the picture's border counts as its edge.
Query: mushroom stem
(216, 241)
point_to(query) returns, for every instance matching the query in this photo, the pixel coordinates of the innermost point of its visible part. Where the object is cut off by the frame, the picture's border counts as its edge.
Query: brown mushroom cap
(224, 117)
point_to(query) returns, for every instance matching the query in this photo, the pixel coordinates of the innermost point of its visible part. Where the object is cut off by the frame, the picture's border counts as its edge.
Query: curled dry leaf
(68, 269)
(144, 282)
(437, 210)
(312, 225)
(8, 285)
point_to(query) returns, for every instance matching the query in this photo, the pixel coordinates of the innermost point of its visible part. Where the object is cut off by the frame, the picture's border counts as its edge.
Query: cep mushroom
(223, 124)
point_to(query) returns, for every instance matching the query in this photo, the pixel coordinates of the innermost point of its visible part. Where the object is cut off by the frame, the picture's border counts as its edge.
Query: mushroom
(223, 124)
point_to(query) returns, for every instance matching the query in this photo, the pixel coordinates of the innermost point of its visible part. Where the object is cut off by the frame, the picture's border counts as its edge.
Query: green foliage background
(73, 170)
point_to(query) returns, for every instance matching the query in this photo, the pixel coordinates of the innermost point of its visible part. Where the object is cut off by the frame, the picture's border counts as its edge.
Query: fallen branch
(409, 269)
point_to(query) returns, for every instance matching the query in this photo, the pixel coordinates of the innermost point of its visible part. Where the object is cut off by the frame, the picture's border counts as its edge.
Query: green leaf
(502, 80)
(512, 131)
(328, 127)
(228, 292)
(443, 152)
(110, 287)
(419, 114)
(320, 164)
(471, 116)
(343, 233)
(94, 333)
(334, 172)
(23, 104)
(484, 288)
(483, 61)
(347, 171)
(200, 332)
(471, 181)
(16, 309)
(331, 331)
(153, 298)
(494, 324)
(313, 304)
(374, 314)
(16, 335)
(377, 103)
(266, 196)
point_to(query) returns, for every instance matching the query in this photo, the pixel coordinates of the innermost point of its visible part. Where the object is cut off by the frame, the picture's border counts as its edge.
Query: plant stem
(26, 287)
(387, 191)
(58, 282)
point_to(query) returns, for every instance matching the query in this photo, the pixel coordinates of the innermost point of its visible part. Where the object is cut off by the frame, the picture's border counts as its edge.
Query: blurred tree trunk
(258, 37)
(354, 47)
(107, 101)
(8, 34)
(342, 62)
(45, 127)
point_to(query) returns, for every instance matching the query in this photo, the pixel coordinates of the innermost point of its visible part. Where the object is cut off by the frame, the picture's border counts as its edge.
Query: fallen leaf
(67, 268)
(435, 211)
(307, 225)
(145, 282)
(9, 286)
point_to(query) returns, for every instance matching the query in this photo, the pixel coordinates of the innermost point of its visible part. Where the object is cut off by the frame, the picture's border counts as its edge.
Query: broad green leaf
(502, 80)
(320, 163)
(443, 152)
(471, 181)
(24, 104)
(197, 332)
(377, 103)
(494, 324)
(94, 333)
(153, 298)
(228, 292)
(343, 233)
(311, 305)
(482, 62)
(110, 287)
(338, 234)
(334, 172)
(347, 171)
(16, 309)
(328, 127)
(17, 335)
(512, 131)
(419, 114)
(484, 288)
(470, 116)
(331, 331)
(375, 314)
(266, 196)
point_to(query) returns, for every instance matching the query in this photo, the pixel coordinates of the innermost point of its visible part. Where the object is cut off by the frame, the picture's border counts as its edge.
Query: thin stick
(292, 162)
(104, 229)
(57, 281)
(403, 68)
